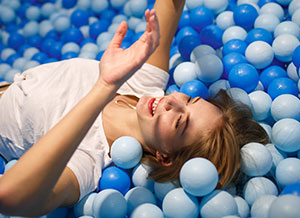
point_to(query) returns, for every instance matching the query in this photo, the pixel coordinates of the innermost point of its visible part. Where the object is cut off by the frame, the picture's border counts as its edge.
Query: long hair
(220, 145)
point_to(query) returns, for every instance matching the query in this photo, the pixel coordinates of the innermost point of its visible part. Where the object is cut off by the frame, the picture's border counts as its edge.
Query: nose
(173, 103)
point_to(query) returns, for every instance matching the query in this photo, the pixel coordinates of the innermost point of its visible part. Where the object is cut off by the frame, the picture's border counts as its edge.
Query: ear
(164, 159)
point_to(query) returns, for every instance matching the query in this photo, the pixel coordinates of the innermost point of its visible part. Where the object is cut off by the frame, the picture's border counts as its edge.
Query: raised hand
(117, 64)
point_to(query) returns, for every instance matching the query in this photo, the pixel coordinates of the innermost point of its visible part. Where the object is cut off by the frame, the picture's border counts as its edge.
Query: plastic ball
(99, 6)
(68, 3)
(286, 135)
(286, 106)
(244, 15)
(61, 23)
(79, 18)
(260, 54)
(6, 53)
(256, 159)
(295, 57)
(185, 19)
(109, 203)
(172, 88)
(287, 27)
(234, 45)
(31, 64)
(261, 206)
(98, 27)
(138, 196)
(259, 34)
(47, 9)
(234, 32)
(243, 207)
(211, 35)
(271, 73)
(72, 35)
(33, 13)
(187, 44)
(161, 189)
(215, 87)
(126, 152)
(185, 31)
(39, 57)
(288, 171)
(69, 55)
(70, 47)
(15, 40)
(272, 8)
(11, 59)
(7, 15)
(216, 6)
(147, 211)
(277, 155)
(230, 60)
(257, 187)
(85, 206)
(267, 22)
(296, 17)
(293, 7)
(178, 203)
(225, 20)
(191, 4)
(198, 176)
(239, 96)
(103, 38)
(200, 51)
(2, 165)
(218, 203)
(243, 76)
(4, 68)
(261, 103)
(284, 46)
(208, 68)
(31, 28)
(10, 164)
(194, 88)
(292, 189)
(184, 72)
(282, 86)
(285, 206)
(117, 4)
(137, 7)
(140, 177)
(201, 17)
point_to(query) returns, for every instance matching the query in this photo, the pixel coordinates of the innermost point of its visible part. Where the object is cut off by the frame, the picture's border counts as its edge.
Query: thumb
(119, 35)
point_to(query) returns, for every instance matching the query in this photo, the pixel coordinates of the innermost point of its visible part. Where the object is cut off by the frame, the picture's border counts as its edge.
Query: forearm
(37, 171)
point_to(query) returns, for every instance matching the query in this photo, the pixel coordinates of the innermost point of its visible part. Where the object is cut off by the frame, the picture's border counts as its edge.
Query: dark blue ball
(282, 86)
(115, 178)
(230, 60)
(98, 27)
(79, 18)
(185, 19)
(2, 165)
(47, 44)
(87, 40)
(194, 88)
(187, 44)
(212, 35)
(291, 189)
(11, 59)
(296, 57)
(263, 2)
(108, 14)
(50, 60)
(12, 28)
(185, 31)
(201, 17)
(40, 57)
(125, 45)
(136, 36)
(72, 34)
(15, 40)
(35, 40)
(259, 34)
(52, 34)
(69, 55)
(174, 50)
(271, 73)
(99, 55)
(55, 50)
(234, 45)
(245, 15)
(68, 3)
(22, 10)
(129, 35)
(22, 48)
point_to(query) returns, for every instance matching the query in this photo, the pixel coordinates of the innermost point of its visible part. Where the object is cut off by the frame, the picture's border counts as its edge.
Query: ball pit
(254, 51)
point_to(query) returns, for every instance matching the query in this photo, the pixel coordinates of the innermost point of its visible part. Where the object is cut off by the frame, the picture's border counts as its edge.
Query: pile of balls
(250, 48)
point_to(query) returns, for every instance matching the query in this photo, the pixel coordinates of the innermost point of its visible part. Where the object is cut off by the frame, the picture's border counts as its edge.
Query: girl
(61, 118)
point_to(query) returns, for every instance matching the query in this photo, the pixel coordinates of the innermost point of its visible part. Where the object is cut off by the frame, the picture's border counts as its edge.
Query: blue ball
(285, 206)
(39, 57)
(185, 31)
(69, 55)
(178, 203)
(126, 152)
(286, 135)
(291, 189)
(55, 50)
(198, 176)
(52, 34)
(109, 203)
(187, 44)
(259, 34)
(185, 19)
(35, 41)
(68, 3)
(212, 35)
(218, 203)
(230, 60)
(243, 76)
(194, 88)
(201, 17)
(286, 106)
(108, 14)
(72, 35)
(271, 73)
(288, 171)
(244, 15)
(79, 18)
(234, 45)
(98, 27)
(296, 57)
(47, 44)
(2, 165)
(147, 210)
(22, 48)
(99, 56)
(282, 86)
(115, 178)
(11, 59)
(15, 40)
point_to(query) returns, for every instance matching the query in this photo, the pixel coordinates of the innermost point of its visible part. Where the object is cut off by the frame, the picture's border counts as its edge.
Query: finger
(154, 25)
(119, 35)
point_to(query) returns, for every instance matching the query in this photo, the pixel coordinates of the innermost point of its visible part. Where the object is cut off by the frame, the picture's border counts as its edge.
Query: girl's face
(171, 122)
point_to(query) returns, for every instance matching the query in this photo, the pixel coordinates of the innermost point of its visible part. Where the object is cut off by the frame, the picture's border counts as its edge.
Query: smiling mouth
(153, 105)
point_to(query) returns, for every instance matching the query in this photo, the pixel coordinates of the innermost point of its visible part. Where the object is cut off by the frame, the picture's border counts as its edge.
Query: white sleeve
(148, 80)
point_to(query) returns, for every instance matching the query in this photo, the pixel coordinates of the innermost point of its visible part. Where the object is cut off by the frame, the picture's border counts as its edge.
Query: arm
(40, 175)
(168, 13)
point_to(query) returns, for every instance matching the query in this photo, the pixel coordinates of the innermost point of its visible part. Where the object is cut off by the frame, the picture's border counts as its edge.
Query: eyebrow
(197, 99)
(186, 124)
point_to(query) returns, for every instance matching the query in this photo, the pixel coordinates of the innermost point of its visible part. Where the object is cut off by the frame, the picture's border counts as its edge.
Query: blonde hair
(221, 145)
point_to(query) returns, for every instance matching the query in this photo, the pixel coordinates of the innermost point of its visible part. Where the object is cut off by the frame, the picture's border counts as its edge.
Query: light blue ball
(287, 27)
(9, 77)
(13, 4)
(257, 187)
(31, 28)
(243, 207)
(179, 204)
(217, 86)
(87, 55)
(293, 6)
(200, 51)
(286, 106)
(70, 46)
(4, 68)
(234, 32)
(286, 135)
(31, 64)
(161, 189)
(90, 47)
(256, 159)
(198, 176)
(191, 4)
(45, 27)
(225, 20)
(138, 7)
(140, 27)
(19, 64)
(83, 4)
(261, 104)
(47, 9)
(260, 54)
(239, 95)
(29, 52)
(99, 6)
(266, 127)
(133, 22)
(209, 68)
(267, 22)
(10, 164)
(33, 13)
(117, 4)
(272, 8)
(216, 6)
(260, 207)
(104, 38)
(218, 203)
(292, 72)
(286, 206)
(61, 23)
(109, 203)
(126, 152)
(284, 46)
(85, 206)
(138, 196)
(7, 15)
(184, 72)
(6, 53)
(296, 17)
(277, 155)
(119, 18)
(288, 171)
(140, 177)
(147, 211)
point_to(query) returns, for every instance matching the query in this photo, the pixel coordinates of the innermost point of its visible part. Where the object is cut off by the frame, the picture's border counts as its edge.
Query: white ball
(267, 22)
(284, 46)
(234, 32)
(261, 103)
(260, 54)
(287, 27)
(272, 8)
(225, 20)
(184, 72)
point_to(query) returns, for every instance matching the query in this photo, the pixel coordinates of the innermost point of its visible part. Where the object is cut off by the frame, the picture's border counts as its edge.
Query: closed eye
(178, 122)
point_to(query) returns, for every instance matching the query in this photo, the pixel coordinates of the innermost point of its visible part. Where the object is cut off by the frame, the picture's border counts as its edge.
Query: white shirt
(41, 96)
